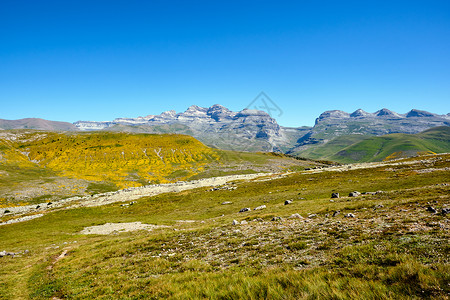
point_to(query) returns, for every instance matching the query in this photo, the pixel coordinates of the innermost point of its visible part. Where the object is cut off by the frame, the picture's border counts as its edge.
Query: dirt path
(129, 194)
(391, 163)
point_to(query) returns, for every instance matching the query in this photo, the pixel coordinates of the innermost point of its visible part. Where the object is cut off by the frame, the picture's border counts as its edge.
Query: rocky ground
(16, 214)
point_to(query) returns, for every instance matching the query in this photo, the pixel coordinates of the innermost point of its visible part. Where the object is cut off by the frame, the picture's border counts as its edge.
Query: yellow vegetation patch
(125, 159)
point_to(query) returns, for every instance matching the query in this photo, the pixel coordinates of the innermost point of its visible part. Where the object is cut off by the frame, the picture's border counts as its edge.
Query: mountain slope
(120, 158)
(35, 123)
(325, 151)
(36, 164)
(436, 140)
(216, 126)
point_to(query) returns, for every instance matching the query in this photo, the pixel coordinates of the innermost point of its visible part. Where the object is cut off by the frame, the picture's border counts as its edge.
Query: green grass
(326, 151)
(383, 253)
(354, 148)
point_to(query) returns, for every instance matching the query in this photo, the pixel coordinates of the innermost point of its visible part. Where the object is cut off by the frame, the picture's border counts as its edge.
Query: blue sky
(98, 60)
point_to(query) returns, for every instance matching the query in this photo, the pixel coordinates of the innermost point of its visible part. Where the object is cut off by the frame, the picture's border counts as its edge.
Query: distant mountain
(336, 123)
(217, 126)
(34, 123)
(254, 130)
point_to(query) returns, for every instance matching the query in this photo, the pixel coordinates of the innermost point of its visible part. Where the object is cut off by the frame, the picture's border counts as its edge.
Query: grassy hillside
(390, 248)
(326, 151)
(35, 123)
(125, 159)
(361, 148)
(37, 165)
(434, 140)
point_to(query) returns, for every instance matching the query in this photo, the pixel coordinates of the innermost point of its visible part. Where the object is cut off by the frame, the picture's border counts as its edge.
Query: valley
(389, 241)
(38, 166)
(138, 211)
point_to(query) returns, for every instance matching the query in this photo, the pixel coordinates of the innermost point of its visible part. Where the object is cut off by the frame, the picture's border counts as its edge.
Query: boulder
(260, 207)
(349, 215)
(337, 212)
(235, 222)
(245, 209)
(354, 194)
(227, 202)
(5, 253)
(296, 216)
(287, 202)
(334, 195)
(276, 219)
(445, 211)
(431, 209)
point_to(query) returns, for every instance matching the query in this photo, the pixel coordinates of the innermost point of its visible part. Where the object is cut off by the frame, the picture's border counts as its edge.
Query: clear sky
(98, 60)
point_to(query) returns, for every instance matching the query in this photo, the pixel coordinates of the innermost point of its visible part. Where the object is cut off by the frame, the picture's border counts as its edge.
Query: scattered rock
(296, 216)
(378, 206)
(276, 219)
(235, 222)
(335, 195)
(245, 209)
(243, 222)
(369, 193)
(311, 216)
(227, 202)
(431, 209)
(337, 212)
(5, 253)
(349, 215)
(445, 211)
(260, 207)
(354, 194)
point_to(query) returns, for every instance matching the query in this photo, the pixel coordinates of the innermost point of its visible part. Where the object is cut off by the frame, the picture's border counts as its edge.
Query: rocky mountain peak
(169, 114)
(252, 113)
(218, 107)
(219, 112)
(419, 113)
(332, 114)
(359, 113)
(195, 108)
(386, 112)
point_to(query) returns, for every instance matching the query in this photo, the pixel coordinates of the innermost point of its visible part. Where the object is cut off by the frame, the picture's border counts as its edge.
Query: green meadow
(390, 247)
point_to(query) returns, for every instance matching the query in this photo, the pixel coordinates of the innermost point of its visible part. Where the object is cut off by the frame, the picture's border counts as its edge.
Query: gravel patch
(22, 219)
(110, 228)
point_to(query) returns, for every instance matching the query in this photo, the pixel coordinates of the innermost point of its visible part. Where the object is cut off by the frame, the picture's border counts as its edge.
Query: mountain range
(255, 130)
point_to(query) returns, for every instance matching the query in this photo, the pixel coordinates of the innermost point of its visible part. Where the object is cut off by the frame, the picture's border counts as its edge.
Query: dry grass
(393, 248)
